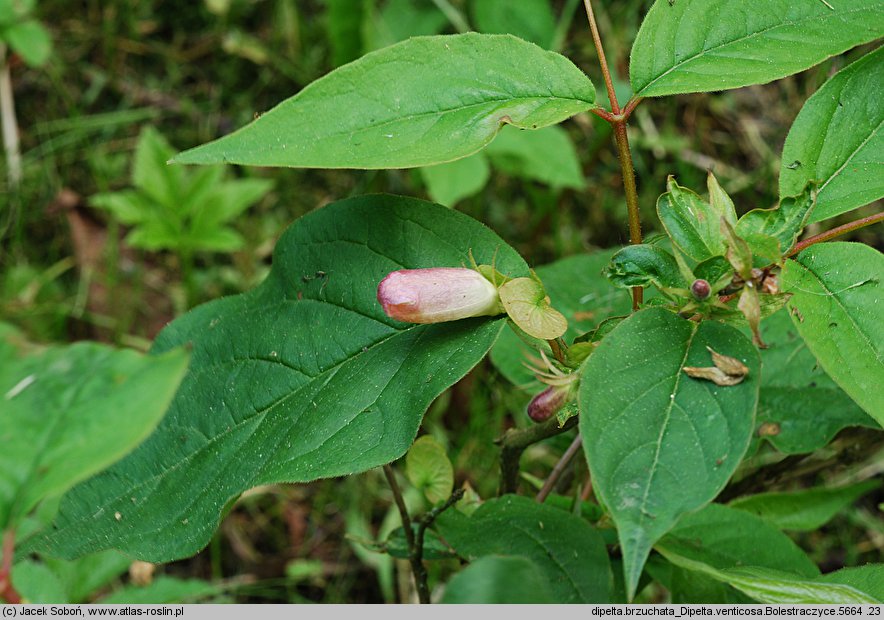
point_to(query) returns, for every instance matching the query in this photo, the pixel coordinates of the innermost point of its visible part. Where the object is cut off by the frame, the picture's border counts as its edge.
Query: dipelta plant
(314, 373)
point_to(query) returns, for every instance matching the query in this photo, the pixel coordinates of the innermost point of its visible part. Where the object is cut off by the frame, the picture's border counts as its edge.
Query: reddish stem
(618, 122)
(7, 590)
(609, 84)
(630, 107)
(836, 232)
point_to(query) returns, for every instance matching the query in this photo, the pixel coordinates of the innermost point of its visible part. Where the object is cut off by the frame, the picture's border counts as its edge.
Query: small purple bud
(437, 295)
(701, 290)
(543, 406)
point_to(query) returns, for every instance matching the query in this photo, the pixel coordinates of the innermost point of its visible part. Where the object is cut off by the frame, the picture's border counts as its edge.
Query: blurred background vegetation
(86, 250)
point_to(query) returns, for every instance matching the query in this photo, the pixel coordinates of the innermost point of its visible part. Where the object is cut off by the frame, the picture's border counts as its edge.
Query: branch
(414, 554)
(428, 519)
(513, 443)
(836, 232)
(559, 468)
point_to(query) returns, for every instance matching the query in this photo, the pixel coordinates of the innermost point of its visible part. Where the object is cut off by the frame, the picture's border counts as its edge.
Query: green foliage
(693, 224)
(835, 302)
(528, 306)
(800, 408)
(578, 291)
(803, 510)
(569, 553)
(659, 443)
(644, 265)
(70, 411)
(425, 114)
(531, 20)
(24, 35)
(497, 579)
(837, 141)
(546, 155)
(295, 374)
(690, 46)
(68, 581)
(173, 208)
(428, 468)
(782, 223)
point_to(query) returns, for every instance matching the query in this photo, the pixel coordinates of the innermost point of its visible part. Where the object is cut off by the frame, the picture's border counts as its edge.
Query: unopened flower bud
(438, 294)
(543, 406)
(700, 289)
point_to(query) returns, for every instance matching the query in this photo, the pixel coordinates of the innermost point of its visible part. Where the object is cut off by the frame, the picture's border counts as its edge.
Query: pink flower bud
(543, 406)
(437, 295)
(701, 289)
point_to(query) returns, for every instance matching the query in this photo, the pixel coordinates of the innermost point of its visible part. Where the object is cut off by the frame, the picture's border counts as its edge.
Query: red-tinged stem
(836, 232)
(559, 469)
(618, 122)
(7, 590)
(603, 114)
(609, 84)
(630, 107)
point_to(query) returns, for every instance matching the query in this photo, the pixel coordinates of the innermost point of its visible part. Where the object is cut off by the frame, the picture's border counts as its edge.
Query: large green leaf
(424, 101)
(532, 20)
(659, 443)
(497, 579)
(800, 408)
(836, 302)
(68, 412)
(723, 538)
(30, 40)
(577, 289)
(570, 553)
(807, 509)
(299, 379)
(837, 140)
(687, 46)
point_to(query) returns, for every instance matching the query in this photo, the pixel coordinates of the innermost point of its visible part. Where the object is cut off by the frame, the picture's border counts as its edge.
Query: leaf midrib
(739, 39)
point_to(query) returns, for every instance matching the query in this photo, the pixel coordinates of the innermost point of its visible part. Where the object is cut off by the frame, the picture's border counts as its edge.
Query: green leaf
(720, 200)
(409, 105)
(428, 468)
(784, 222)
(775, 587)
(36, 583)
(689, 46)
(497, 579)
(693, 224)
(162, 590)
(69, 412)
(529, 307)
(344, 19)
(397, 545)
(836, 295)
(150, 172)
(836, 140)
(401, 19)
(302, 378)
(644, 265)
(868, 579)
(546, 155)
(724, 537)
(568, 551)
(803, 510)
(450, 183)
(30, 40)
(531, 20)
(576, 288)
(84, 577)
(659, 443)
(800, 408)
